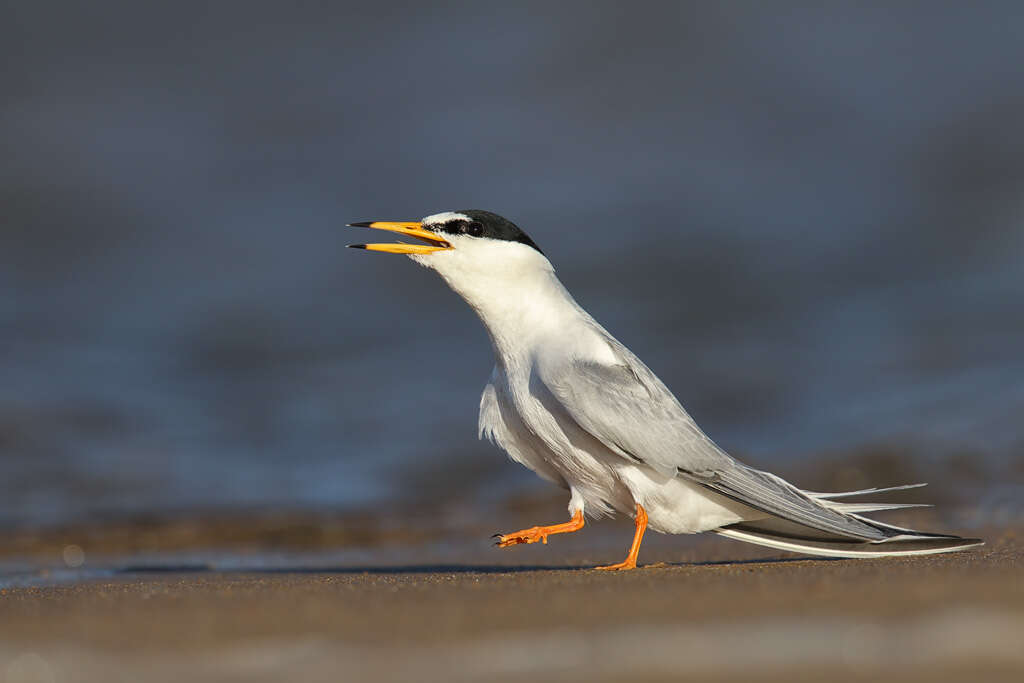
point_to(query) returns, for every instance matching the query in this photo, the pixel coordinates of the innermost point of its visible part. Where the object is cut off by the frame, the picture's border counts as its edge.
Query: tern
(571, 403)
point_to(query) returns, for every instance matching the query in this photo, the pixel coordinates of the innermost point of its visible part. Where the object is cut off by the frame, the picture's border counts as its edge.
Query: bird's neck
(524, 313)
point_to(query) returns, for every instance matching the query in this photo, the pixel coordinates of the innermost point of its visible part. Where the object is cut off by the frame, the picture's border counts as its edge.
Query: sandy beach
(715, 610)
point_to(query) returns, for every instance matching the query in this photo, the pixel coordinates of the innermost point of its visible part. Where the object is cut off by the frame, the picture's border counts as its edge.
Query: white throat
(513, 289)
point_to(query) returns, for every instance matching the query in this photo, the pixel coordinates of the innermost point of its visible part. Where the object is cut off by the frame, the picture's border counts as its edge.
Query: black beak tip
(361, 224)
(356, 246)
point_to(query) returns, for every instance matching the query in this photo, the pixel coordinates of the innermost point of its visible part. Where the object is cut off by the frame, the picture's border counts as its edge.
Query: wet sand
(726, 612)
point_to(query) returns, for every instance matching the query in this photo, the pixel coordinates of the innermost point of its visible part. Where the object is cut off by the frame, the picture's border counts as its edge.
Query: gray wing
(628, 409)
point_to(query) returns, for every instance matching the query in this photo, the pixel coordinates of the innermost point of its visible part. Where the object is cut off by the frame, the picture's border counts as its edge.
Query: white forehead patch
(447, 216)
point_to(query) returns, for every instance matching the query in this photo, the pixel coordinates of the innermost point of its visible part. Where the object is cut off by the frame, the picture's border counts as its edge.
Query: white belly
(679, 506)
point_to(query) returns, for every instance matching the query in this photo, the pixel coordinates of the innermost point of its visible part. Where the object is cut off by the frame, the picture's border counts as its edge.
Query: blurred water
(808, 220)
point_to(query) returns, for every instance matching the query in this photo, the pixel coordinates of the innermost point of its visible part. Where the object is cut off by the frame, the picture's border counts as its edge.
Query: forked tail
(884, 540)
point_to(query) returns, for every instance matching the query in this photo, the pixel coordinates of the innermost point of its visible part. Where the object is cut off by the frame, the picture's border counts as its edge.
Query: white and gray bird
(571, 403)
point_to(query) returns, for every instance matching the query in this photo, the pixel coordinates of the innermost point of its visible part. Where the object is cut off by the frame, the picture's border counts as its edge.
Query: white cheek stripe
(445, 217)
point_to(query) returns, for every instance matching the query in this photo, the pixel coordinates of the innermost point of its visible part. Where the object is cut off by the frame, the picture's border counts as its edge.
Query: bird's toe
(617, 567)
(521, 537)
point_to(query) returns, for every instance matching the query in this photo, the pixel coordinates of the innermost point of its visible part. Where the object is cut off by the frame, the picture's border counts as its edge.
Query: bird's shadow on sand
(435, 568)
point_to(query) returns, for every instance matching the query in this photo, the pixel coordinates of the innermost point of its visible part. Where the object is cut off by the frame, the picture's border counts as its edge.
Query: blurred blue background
(808, 219)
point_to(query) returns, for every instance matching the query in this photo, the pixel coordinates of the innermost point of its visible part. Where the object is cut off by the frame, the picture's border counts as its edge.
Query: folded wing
(627, 408)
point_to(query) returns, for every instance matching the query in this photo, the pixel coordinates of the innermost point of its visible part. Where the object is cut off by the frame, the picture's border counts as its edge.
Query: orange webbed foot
(618, 566)
(531, 535)
(539, 533)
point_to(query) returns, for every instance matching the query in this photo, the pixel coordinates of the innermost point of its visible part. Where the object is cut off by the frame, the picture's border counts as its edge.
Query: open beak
(434, 242)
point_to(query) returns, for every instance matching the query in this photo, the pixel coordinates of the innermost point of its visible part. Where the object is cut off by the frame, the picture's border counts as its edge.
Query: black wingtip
(356, 246)
(363, 224)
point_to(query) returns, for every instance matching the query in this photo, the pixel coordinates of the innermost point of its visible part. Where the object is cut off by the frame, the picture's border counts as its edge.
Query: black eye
(474, 229)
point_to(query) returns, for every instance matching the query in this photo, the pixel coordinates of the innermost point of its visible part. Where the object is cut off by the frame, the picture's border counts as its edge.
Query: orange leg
(540, 533)
(634, 550)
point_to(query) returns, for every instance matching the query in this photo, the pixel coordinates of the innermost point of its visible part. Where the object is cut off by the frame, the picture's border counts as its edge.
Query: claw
(513, 539)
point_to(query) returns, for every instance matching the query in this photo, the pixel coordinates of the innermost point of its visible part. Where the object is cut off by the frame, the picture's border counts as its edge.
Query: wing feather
(634, 416)
(628, 409)
(502, 427)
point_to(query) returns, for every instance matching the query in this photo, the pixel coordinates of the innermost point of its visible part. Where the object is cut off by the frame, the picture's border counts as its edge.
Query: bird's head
(472, 250)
